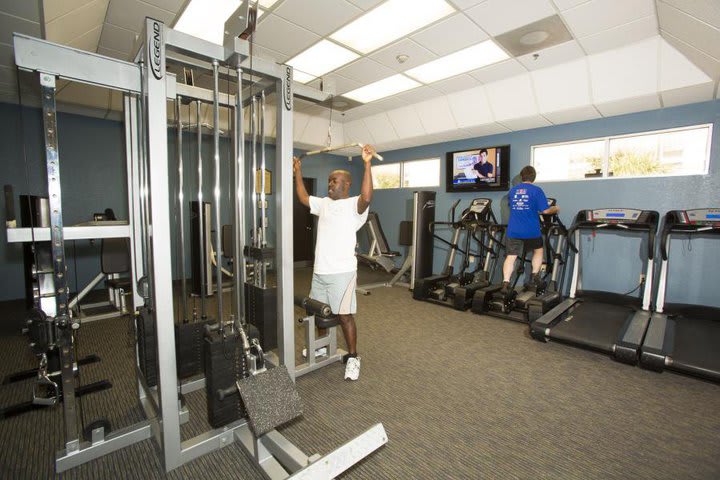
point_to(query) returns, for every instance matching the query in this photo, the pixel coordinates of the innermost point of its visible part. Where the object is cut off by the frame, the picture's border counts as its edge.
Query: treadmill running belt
(697, 344)
(596, 325)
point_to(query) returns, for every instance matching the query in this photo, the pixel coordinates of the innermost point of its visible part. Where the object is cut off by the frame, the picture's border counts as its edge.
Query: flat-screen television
(478, 169)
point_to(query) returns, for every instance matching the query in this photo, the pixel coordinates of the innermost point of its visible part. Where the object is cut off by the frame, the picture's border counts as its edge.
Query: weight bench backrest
(115, 255)
(375, 232)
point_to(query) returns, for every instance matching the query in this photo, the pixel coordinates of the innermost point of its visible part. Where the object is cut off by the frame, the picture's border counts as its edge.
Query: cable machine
(254, 379)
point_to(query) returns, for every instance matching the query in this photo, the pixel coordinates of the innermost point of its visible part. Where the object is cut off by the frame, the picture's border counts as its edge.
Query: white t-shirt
(338, 222)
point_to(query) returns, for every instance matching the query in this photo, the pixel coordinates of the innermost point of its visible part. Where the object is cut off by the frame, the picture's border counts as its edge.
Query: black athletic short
(515, 246)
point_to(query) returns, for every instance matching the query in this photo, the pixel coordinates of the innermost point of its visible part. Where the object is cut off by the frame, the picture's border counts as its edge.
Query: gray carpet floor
(460, 396)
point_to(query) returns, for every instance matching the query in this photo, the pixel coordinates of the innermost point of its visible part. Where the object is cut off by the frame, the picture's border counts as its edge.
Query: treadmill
(603, 321)
(684, 338)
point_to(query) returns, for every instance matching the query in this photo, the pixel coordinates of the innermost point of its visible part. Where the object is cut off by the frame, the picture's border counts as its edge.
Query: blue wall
(610, 261)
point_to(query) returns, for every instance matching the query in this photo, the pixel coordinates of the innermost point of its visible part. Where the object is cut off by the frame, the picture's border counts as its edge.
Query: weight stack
(262, 313)
(224, 364)
(147, 346)
(189, 349)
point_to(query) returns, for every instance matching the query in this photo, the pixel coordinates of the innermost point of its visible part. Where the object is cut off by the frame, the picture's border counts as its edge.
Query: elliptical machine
(457, 290)
(529, 302)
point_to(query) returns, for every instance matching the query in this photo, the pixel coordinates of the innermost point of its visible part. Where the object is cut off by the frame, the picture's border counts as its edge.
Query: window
(682, 151)
(410, 174)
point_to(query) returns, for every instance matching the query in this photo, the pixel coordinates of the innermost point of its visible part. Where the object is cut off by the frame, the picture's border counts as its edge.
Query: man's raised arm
(299, 185)
(366, 189)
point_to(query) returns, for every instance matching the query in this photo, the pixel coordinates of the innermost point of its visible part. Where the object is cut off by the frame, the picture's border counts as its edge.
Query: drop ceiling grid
(77, 23)
(500, 16)
(699, 34)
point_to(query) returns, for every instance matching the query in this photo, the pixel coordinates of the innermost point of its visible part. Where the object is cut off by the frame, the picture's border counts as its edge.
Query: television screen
(478, 169)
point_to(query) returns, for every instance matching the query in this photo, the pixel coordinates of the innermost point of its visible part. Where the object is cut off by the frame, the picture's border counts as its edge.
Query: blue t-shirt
(526, 202)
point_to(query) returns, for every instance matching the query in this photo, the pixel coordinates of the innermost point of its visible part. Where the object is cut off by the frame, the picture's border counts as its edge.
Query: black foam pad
(270, 399)
(115, 255)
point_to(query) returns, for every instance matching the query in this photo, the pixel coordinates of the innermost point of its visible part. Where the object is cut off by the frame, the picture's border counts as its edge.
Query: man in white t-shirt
(335, 273)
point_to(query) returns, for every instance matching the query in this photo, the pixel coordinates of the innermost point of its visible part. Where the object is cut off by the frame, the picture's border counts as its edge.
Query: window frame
(606, 159)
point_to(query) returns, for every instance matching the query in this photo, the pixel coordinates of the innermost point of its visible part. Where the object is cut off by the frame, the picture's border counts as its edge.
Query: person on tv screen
(483, 168)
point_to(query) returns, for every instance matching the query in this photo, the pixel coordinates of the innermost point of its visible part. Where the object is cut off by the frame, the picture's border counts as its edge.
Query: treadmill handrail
(672, 225)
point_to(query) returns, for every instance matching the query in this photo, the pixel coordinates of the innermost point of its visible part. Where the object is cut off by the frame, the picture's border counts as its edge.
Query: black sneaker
(505, 288)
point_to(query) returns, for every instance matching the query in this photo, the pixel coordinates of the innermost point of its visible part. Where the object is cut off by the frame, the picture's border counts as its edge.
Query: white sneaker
(352, 368)
(320, 352)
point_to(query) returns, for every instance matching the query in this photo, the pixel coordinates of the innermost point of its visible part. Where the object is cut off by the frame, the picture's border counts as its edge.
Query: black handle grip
(227, 392)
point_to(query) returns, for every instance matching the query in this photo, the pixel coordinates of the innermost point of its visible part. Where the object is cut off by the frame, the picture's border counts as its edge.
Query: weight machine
(148, 86)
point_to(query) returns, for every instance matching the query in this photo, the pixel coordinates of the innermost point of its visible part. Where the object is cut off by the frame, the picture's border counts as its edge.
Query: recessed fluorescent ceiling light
(206, 18)
(319, 59)
(462, 61)
(390, 21)
(383, 88)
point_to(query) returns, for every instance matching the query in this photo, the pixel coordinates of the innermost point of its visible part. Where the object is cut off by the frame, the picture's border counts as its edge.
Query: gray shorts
(516, 246)
(337, 290)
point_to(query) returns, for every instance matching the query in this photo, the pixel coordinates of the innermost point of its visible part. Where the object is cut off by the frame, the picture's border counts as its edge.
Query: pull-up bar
(340, 147)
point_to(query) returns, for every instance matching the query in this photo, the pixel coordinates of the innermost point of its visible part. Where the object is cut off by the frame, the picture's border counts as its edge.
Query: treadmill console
(617, 215)
(698, 216)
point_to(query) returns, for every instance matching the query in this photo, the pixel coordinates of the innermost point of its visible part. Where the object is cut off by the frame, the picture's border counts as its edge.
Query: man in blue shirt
(527, 202)
(483, 169)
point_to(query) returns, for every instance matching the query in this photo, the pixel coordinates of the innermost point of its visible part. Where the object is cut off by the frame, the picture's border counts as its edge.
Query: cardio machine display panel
(700, 216)
(615, 215)
(479, 205)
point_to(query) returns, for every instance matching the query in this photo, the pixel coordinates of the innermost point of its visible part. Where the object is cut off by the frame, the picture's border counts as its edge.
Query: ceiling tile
(705, 62)
(282, 36)
(579, 114)
(598, 15)
(620, 36)
(455, 84)
(88, 41)
(7, 56)
(512, 98)
(465, 4)
(341, 84)
(366, 4)
(24, 9)
(319, 16)
(568, 4)
(639, 64)
(498, 71)
(406, 122)
(470, 107)
(117, 38)
(450, 35)
(486, 130)
(554, 55)
(357, 131)
(53, 9)
(380, 128)
(708, 10)
(629, 105)
(686, 95)
(562, 87)
(316, 131)
(527, 123)
(365, 71)
(300, 121)
(435, 115)
(10, 24)
(269, 54)
(499, 16)
(690, 30)
(131, 14)
(418, 94)
(77, 23)
(417, 55)
(169, 5)
(677, 71)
